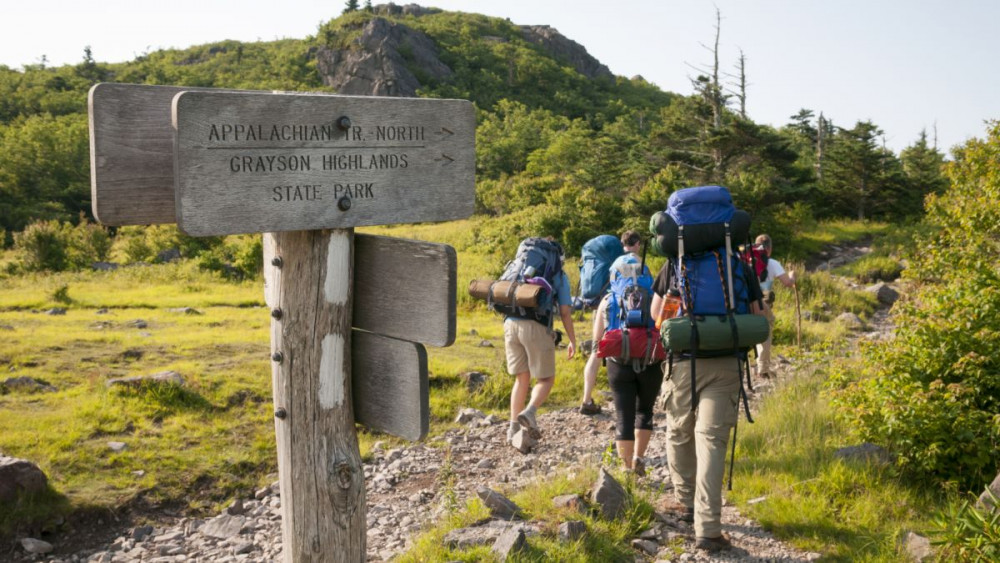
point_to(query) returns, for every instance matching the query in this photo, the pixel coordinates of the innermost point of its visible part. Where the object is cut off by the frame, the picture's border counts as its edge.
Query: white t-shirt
(774, 269)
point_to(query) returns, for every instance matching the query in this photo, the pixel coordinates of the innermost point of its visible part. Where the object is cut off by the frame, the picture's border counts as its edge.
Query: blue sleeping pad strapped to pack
(595, 261)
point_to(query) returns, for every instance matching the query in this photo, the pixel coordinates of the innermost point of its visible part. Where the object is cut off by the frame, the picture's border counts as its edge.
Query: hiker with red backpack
(771, 271)
(628, 342)
(631, 243)
(719, 317)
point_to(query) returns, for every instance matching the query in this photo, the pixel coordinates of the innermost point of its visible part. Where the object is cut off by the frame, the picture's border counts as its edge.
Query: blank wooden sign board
(350, 313)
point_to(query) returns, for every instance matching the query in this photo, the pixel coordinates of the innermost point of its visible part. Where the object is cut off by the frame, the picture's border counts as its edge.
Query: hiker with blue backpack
(597, 260)
(628, 342)
(719, 318)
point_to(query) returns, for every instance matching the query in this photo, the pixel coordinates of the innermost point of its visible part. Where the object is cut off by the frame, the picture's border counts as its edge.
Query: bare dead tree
(820, 138)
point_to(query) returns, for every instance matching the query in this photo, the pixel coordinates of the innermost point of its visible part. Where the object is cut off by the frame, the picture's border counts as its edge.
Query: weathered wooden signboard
(266, 162)
(349, 314)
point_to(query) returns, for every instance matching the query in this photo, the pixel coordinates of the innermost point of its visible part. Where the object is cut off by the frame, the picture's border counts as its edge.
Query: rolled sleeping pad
(523, 294)
(697, 238)
(714, 332)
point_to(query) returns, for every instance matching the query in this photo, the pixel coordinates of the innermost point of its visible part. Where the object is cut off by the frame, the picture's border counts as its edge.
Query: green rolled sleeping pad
(714, 332)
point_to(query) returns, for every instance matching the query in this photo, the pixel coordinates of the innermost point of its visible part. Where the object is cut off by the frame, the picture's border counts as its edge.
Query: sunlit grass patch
(845, 510)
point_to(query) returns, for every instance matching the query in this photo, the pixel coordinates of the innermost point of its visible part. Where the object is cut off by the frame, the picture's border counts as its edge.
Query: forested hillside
(563, 146)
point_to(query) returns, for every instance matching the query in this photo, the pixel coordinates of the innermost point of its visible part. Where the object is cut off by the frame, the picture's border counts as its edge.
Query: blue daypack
(630, 335)
(698, 220)
(595, 262)
(631, 295)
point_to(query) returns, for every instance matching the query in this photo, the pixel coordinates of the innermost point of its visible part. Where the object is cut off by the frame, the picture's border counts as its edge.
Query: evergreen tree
(351, 6)
(923, 166)
(854, 174)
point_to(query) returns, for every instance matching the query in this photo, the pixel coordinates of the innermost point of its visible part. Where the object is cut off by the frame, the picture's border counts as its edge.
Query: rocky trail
(409, 488)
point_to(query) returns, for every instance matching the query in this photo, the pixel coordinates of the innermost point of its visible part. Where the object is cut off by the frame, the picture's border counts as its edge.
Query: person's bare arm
(787, 279)
(655, 304)
(566, 313)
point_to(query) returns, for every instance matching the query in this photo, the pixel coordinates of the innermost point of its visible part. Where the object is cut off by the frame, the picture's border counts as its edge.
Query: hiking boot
(639, 466)
(713, 544)
(527, 421)
(590, 408)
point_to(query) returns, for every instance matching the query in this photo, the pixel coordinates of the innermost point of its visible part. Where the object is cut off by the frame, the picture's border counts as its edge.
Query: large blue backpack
(696, 232)
(537, 261)
(595, 262)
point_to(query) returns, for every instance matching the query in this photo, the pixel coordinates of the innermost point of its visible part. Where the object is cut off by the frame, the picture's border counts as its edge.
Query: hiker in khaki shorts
(530, 348)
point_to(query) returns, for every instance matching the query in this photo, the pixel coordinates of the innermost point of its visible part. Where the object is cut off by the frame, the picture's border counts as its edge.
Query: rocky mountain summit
(387, 57)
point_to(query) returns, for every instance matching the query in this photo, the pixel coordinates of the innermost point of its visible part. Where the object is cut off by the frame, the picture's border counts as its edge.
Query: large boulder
(499, 505)
(885, 294)
(19, 476)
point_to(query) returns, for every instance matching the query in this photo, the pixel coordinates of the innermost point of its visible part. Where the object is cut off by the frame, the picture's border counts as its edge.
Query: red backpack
(755, 256)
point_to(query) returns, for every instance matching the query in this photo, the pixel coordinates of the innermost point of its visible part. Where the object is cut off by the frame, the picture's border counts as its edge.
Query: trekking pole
(798, 318)
(732, 457)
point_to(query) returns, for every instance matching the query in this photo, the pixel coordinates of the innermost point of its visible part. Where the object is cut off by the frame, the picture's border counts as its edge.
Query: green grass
(813, 240)
(847, 511)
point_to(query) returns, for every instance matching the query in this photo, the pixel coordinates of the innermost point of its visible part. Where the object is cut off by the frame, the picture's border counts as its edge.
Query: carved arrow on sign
(445, 157)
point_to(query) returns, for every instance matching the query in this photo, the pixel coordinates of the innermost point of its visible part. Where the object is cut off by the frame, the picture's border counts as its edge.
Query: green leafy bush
(237, 257)
(135, 244)
(56, 246)
(967, 533)
(42, 245)
(933, 394)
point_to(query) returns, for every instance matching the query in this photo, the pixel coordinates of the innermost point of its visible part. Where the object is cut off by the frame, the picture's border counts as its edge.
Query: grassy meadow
(195, 447)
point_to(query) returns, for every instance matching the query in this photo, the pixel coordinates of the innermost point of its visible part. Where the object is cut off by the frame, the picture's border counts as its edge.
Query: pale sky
(906, 65)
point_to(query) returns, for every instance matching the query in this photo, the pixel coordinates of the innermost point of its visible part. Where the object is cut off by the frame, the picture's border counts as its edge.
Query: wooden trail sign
(249, 163)
(322, 283)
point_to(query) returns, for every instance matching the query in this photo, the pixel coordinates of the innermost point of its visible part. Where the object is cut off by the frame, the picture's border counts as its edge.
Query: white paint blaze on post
(320, 473)
(331, 372)
(338, 262)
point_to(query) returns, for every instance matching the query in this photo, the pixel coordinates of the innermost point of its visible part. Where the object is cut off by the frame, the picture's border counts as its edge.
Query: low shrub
(56, 246)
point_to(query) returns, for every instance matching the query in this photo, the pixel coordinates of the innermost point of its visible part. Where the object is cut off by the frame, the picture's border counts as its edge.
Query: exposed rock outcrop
(374, 64)
(565, 50)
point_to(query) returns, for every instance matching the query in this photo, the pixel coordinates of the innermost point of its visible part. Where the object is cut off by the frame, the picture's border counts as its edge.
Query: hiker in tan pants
(696, 439)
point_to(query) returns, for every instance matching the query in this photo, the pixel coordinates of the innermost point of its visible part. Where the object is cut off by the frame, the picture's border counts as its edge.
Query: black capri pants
(634, 396)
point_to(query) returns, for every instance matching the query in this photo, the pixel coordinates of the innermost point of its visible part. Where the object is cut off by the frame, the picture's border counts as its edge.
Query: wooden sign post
(305, 169)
